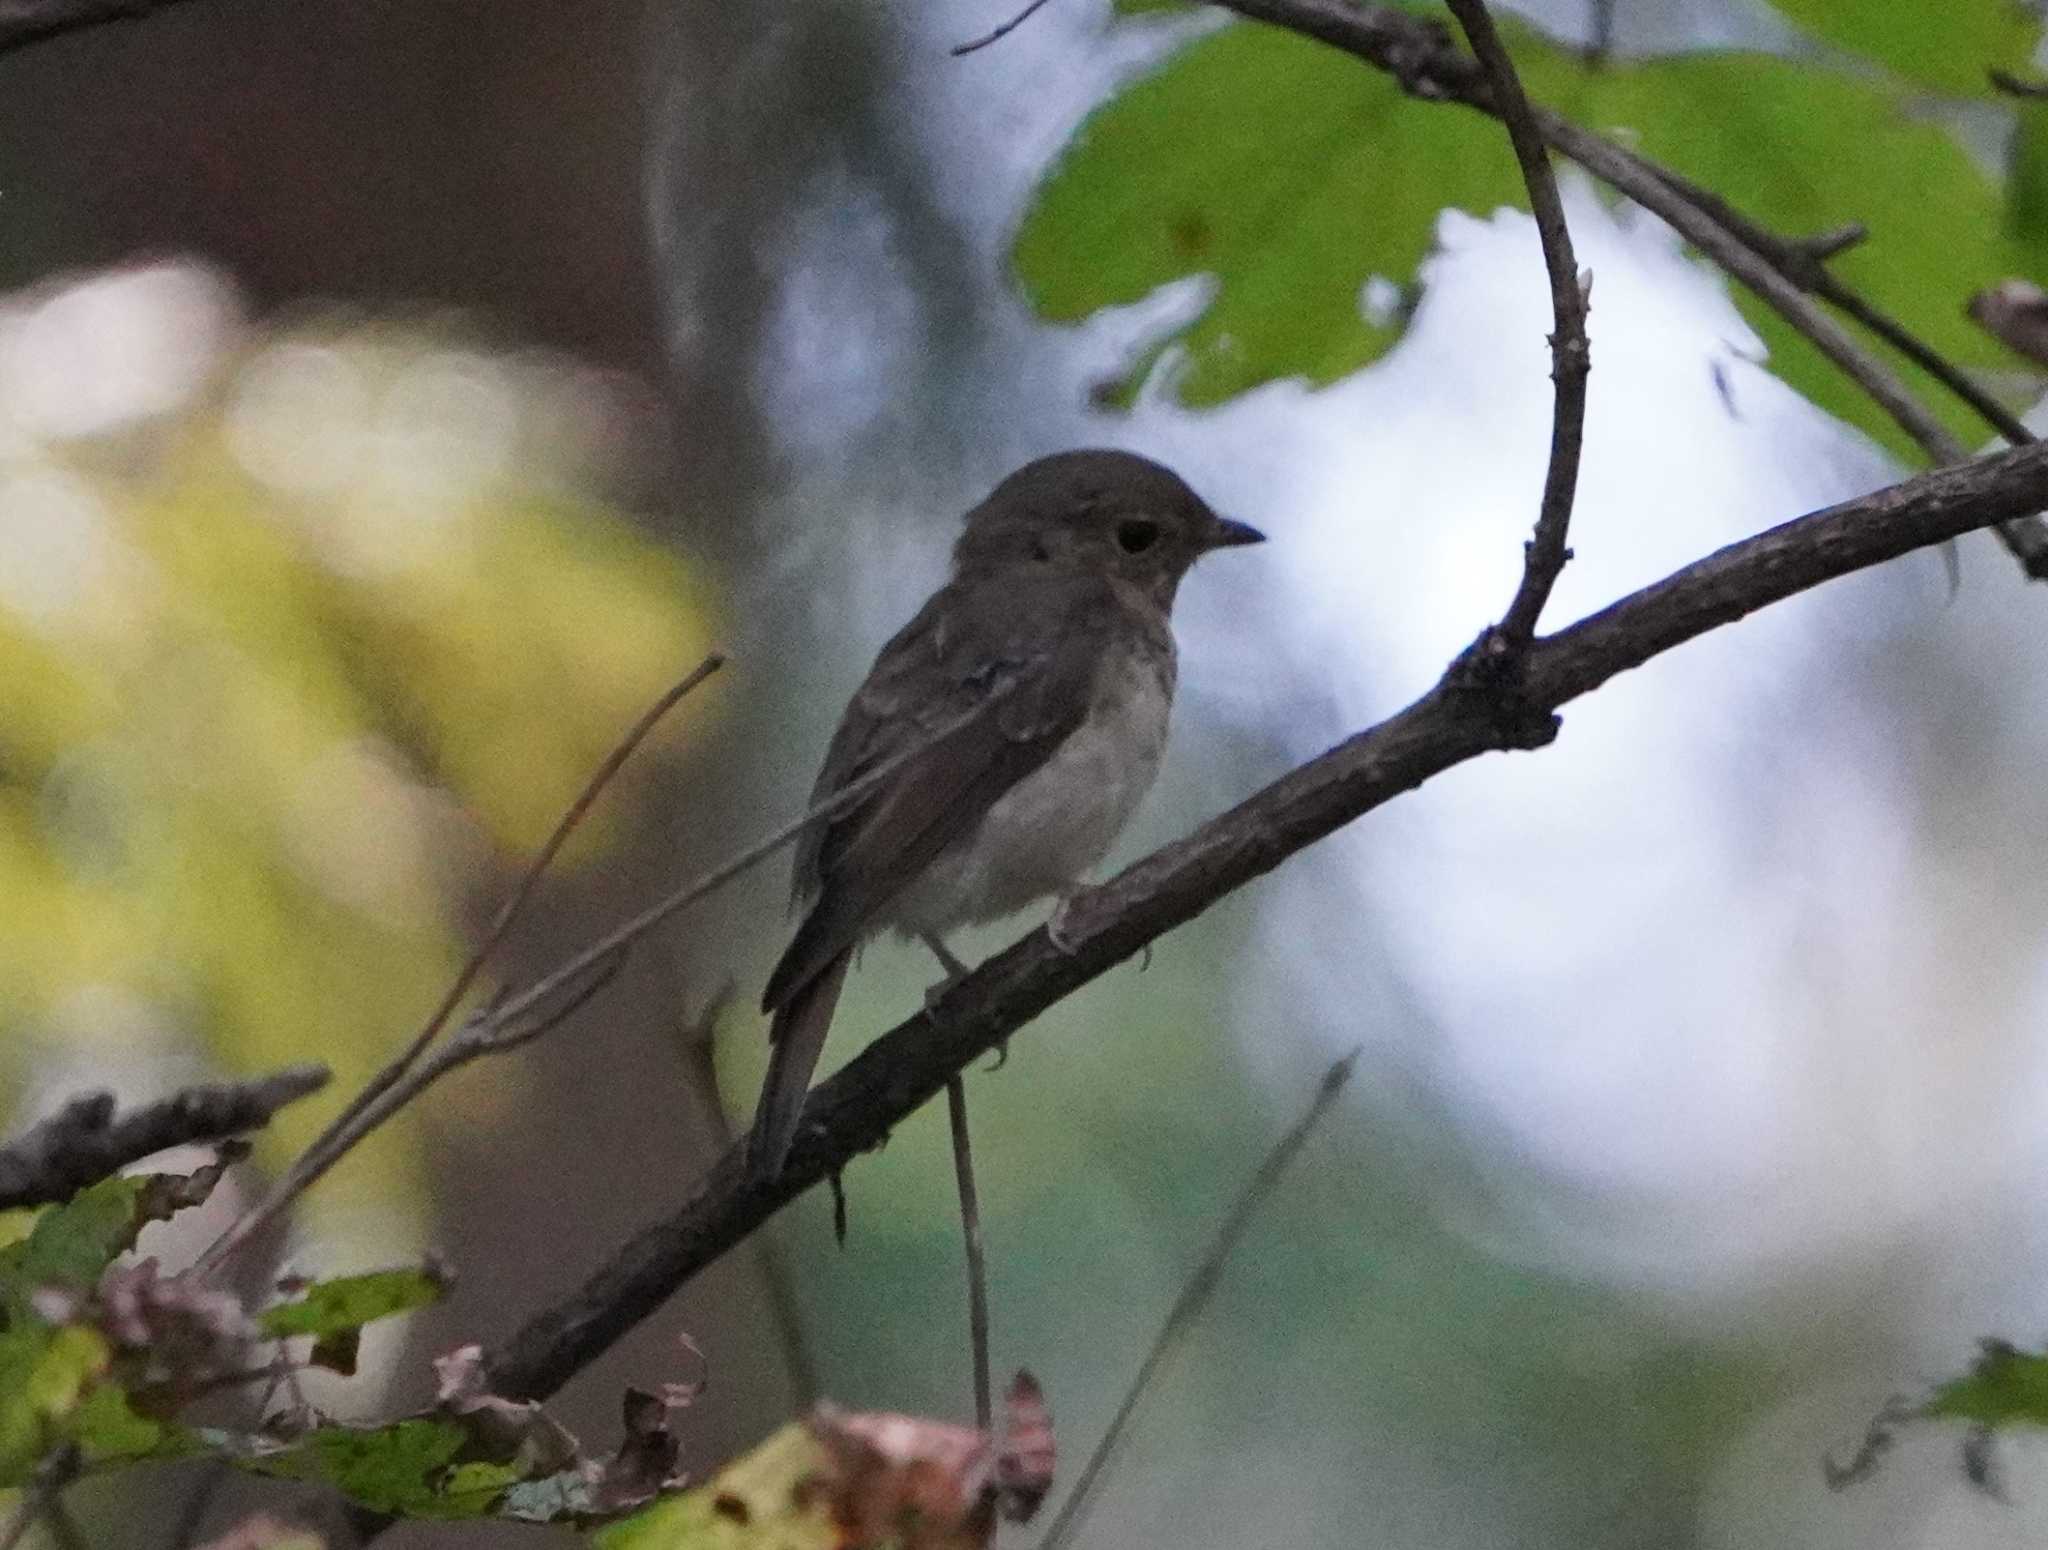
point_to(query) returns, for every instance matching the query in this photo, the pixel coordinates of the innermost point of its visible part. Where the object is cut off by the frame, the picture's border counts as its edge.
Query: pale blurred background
(393, 398)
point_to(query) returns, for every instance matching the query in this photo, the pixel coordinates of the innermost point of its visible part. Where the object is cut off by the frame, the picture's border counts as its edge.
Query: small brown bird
(1054, 624)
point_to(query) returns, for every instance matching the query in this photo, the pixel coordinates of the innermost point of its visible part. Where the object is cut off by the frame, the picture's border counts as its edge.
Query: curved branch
(1547, 553)
(855, 1110)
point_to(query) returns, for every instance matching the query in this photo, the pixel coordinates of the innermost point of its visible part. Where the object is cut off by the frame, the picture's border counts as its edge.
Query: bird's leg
(963, 1172)
(977, 1266)
(956, 971)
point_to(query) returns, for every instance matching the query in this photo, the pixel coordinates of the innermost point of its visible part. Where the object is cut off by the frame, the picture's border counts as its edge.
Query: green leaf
(1286, 170)
(1945, 47)
(44, 1374)
(73, 1243)
(2004, 1386)
(760, 1502)
(107, 1428)
(54, 1388)
(348, 1302)
(1289, 173)
(403, 1468)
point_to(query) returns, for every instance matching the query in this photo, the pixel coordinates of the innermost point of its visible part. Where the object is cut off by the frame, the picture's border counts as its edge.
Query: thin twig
(784, 1311)
(999, 32)
(488, 1033)
(2016, 86)
(1804, 263)
(1784, 274)
(709, 882)
(347, 1128)
(1548, 551)
(571, 819)
(86, 1141)
(856, 1108)
(1194, 1298)
(40, 1496)
(2026, 537)
(977, 1264)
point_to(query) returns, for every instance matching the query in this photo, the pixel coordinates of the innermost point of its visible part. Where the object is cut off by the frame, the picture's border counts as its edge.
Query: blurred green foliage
(277, 668)
(349, 1302)
(1948, 48)
(101, 1356)
(2004, 1387)
(1292, 175)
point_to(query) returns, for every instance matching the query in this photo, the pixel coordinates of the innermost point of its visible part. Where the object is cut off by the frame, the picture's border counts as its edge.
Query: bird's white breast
(1044, 834)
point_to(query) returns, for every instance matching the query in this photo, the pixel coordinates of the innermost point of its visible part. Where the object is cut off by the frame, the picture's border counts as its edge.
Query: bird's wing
(1017, 660)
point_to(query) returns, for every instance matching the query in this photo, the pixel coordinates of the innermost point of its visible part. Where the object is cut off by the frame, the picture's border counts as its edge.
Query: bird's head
(1097, 511)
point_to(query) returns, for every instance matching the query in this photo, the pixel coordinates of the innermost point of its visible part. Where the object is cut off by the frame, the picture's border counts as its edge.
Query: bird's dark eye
(1134, 535)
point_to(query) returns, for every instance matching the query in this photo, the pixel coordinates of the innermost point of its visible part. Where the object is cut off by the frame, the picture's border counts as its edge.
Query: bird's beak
(1226, 534)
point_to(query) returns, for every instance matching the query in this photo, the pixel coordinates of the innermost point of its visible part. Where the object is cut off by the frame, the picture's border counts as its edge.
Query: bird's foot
(1058, 928)
(1002, 1056)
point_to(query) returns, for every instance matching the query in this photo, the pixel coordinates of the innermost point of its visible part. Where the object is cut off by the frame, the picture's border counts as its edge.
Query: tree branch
(23, 22)
(997, 33)
(1546, 554)
(1454, 722)
(1422, 56)
(85, 1141)
(1805, 263)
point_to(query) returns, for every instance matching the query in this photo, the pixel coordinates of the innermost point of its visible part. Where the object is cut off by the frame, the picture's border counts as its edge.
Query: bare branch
(1547, 553)
(85, 1141)
(977, 1263)
(1803, 261)
(1194, 1298)
(2015, 86)
(1000, 31)
(1452, 723)
(617, 941)
(784, 1312)
(513, 1019)
(355, 1121)
(23, 22)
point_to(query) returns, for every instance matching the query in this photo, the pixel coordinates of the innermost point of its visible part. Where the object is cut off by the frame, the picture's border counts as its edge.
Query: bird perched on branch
(1027, 702)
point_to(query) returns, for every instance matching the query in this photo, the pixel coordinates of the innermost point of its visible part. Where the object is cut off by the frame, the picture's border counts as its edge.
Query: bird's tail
(797, 1039)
